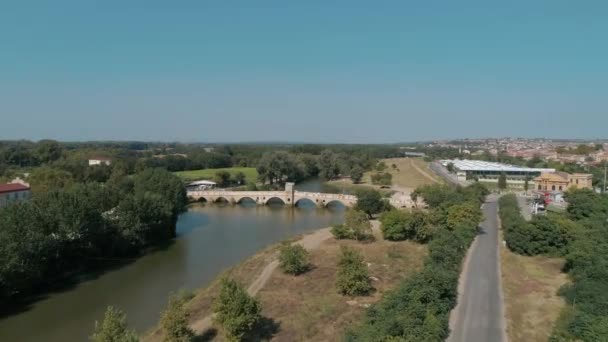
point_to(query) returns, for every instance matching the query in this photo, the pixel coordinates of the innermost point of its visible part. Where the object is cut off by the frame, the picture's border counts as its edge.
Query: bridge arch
(275, 199)
(333, 202)
(245, 199)
(221, 199)
(305, 202)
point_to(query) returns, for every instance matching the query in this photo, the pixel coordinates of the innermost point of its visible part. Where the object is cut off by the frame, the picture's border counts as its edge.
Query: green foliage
(356, 174)
(280, 166)
(550, 235)
(359, 225)
(113, 328)
(328, 165)
(584, 203)
(174, 320)
(356, 226)
(222, 178)
(44, 179)
(235, 311)
(341, 232)
(502, 181)
(381, 166)
(293, 259)
(418, 309)
(352, 278)
(464, 214)
(382, 178)
(370, 202)
(240, 178)
(400, 225)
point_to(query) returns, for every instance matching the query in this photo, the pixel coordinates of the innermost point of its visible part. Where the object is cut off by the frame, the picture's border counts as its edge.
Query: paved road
(478, 317)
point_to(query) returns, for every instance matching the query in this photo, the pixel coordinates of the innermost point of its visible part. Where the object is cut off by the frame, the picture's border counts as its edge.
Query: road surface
(479, 315)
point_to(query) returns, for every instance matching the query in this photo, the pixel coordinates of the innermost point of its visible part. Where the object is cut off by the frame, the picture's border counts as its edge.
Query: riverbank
(308, 307)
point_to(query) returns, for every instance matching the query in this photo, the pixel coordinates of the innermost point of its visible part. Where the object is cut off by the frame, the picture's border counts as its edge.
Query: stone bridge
(289, 197)
(262, 197)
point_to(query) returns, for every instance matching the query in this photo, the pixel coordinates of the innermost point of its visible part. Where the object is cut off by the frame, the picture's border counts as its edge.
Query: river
(210, 239)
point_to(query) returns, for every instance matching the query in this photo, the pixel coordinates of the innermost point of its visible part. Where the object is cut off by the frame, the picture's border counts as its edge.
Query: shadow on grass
(264, 330)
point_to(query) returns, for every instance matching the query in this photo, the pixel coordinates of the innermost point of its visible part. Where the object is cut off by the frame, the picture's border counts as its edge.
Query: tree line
(80, 226)
(581, 236)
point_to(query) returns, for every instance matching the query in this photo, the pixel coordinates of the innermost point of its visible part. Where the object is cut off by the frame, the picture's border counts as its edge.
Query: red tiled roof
(4, 188)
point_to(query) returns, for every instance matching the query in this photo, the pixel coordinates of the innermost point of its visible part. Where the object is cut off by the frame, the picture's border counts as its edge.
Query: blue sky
(306, 71)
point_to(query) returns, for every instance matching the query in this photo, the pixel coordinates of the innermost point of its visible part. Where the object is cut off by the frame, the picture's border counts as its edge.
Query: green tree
(293, 259)
(278, 167)
(359, 224)
(502, 181)
(235, 310)
(328, 165)
(450, 167)
(352, 277)
(370, 202)
(174, 320)
(113, 328)
(222, 178)
(526, 184)
(240, 178)
(48, 151)
(356, 174)
(45, 178)
(381, 166)
(464, 214)
(165, 184)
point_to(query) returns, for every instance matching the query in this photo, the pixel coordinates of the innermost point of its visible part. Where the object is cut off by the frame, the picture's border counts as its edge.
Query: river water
(210, 239)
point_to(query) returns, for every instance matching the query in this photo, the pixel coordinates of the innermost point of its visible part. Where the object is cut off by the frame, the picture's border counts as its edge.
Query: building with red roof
(13, 192)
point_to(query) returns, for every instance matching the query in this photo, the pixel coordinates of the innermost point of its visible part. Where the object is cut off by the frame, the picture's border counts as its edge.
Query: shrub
(341, 232)
(235, 310)
(113, 328)
(359, 224)
(382, 179)
(293, 259)
(401, 225)
(352, 277)
(174, 319)
(549, 235)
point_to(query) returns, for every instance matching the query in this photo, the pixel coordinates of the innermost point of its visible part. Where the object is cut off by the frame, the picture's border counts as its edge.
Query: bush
(382, 179)
(341, 232)
(549, 235)
(235, 310)
(400, 225)
(174, 320)
(113, 328)
(359, 224)
(352, 277)
(356, 226)
(293, 259)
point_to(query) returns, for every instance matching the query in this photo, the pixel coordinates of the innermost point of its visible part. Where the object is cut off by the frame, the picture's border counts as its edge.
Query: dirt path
(422, 172)
(310, 242)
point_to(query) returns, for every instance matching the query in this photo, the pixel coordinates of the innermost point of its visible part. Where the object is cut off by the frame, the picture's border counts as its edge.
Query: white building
(201, 185)
(100, 161)
(489, 172)
(15, 191)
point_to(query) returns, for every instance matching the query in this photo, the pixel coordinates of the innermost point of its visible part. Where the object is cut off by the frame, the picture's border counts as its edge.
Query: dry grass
(308, 307)
(530, 286)
(410, 172)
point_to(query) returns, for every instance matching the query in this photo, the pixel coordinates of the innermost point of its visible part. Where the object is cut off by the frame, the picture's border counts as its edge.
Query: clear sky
(305, 71)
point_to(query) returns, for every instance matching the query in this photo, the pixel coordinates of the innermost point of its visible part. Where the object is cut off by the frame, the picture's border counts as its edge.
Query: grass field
(409, 173)
(251, 173)
(322, 314)
(530, 286)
